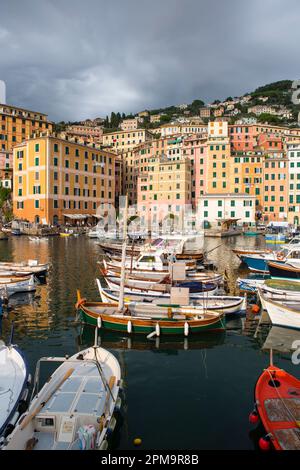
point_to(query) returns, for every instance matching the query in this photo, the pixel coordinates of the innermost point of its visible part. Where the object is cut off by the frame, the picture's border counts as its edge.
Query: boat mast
(122, 283)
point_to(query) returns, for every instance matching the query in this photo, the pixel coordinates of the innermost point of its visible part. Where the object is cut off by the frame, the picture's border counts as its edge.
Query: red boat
(277, 397)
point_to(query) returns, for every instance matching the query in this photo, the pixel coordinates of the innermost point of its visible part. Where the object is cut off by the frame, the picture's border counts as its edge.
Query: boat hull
(279, 313)
(146, 325)
(255, 264)
(283, 271)
(277, 402)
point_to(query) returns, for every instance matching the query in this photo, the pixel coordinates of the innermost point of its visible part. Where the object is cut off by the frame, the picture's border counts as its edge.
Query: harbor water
(180, 393)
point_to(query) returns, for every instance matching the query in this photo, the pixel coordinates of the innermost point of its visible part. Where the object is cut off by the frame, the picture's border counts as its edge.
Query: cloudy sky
(75, 59)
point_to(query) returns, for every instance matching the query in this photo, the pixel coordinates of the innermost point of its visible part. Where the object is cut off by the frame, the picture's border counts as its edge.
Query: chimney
(2, 92)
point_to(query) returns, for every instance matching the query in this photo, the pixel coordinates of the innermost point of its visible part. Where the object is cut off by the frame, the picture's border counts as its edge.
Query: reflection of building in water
(35, 319)
(24, 249)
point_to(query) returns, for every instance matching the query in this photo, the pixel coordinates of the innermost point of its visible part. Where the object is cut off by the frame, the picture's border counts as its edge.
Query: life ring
(280, 257)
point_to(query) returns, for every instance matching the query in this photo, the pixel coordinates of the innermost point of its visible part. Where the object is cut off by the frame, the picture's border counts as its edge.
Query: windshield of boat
(295, 254)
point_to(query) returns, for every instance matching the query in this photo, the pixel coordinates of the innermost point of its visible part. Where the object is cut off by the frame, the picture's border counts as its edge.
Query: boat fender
(157, 329)
(99, 322)
(14, 419)
(118, 404)
(111, 426)
(280, 256)
(129, 327)
(255, 308)
(253, 417)
(264, 443)
(186, 329)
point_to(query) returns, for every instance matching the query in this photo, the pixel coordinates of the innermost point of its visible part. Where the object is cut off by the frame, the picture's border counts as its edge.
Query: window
(37, 147)
(55, 161)
(67, 163)
(219, 213)
(232, 203)
(247, 214)
(55, 204)
(67, 150)
(205, 213)
(37, 161)
(205, 203)
(36, 203)
(55, 147)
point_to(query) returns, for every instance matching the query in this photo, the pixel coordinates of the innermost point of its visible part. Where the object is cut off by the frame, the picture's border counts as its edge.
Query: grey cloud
(74, 59)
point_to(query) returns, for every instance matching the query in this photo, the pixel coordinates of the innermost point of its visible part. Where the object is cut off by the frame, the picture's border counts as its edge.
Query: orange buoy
(255, 308)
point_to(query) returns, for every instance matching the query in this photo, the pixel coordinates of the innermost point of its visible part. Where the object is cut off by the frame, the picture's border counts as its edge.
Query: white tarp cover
(278, 224)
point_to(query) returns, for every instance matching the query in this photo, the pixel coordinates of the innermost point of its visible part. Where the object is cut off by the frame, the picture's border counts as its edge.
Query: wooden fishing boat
(281, 313)
(160, 276)
(65, 234)
(276, 289)
(13, 285)
(30, 267)
(175, 321)
(277, 401)
(244, 252)
(116, 248)
(283, 270)
(150, 304)
(74, 409)
(145, 287)
(14, 381)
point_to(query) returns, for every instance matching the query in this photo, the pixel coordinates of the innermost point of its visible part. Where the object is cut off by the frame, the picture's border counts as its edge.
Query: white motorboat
(75, 408)
(14, 383)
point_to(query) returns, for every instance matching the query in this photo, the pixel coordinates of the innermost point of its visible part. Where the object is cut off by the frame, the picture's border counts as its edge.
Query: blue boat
(256, 264)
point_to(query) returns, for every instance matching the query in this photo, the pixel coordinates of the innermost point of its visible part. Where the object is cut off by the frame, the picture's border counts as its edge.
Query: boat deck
(287, 411)
(80, 399)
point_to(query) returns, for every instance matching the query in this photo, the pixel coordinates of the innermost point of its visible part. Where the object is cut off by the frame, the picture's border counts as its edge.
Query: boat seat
(289, 439)
(276, 409)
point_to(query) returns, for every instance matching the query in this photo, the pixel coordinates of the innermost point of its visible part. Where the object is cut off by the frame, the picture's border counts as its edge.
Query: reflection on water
(171, 384)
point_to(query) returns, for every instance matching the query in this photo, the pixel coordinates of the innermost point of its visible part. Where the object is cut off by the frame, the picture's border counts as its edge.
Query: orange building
(56, 180)
(17, 124)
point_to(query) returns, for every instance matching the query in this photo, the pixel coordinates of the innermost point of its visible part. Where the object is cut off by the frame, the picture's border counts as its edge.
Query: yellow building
(218, 158)
(17, 124)
(126, 140)
(55, 179)
(164, 187)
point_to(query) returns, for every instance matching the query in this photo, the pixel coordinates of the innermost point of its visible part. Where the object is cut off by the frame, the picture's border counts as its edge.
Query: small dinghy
(14, 383)
(277, 403)
(74, 409)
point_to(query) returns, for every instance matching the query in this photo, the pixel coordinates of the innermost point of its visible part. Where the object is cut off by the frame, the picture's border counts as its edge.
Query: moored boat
(175, 321)
(14, 285)
(159, 288)
(283, 270)
(277, 402)
(14, 381)
(281, 313)
(75, 407)
(150, 304)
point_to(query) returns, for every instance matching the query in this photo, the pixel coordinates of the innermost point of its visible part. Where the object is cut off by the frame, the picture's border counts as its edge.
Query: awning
(78, 216)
